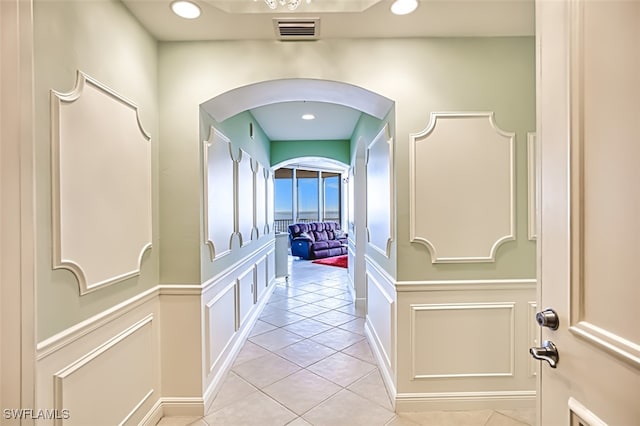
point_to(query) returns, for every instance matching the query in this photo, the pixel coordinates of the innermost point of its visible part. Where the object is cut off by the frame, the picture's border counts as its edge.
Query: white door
(589, 225)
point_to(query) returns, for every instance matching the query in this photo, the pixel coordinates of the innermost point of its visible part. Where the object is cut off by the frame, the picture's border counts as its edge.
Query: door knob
(548, 352)
(548, 318)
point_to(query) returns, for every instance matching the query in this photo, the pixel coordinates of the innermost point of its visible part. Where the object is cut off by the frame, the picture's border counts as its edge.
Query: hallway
(307, 361)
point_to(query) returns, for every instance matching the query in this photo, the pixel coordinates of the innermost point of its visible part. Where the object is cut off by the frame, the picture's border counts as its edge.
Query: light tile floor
(307, 362)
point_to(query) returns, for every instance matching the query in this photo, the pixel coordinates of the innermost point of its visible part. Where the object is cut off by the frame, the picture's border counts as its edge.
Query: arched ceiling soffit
(264, 93)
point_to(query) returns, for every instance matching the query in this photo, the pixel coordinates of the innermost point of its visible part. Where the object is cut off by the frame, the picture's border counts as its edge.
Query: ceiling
(283, 121)
(253, 20)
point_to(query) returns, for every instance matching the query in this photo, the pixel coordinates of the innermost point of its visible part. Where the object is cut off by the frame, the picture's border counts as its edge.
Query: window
(331, 196)
(308, 196)
(302, 195)
(283, 193)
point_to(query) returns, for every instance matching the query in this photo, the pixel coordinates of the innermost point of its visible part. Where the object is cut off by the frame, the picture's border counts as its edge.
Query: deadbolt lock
(548, 318)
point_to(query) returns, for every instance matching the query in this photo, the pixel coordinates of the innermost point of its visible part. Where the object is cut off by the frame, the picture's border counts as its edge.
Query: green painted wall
(420, 75)
(104, 41)
(236, 128)
(333, 149)
(169, 81)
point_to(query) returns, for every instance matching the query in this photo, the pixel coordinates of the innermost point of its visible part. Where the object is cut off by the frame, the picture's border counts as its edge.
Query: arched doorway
(373, 112)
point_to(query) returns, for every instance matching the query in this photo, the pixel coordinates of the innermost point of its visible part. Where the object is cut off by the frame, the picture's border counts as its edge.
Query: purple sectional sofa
(316, 240)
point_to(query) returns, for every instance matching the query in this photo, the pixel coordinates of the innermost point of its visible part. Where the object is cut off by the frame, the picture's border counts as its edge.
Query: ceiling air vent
(297, 28)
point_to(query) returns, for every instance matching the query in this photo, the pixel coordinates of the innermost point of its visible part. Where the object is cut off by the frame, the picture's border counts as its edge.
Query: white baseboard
(504, 400)
(173, 407)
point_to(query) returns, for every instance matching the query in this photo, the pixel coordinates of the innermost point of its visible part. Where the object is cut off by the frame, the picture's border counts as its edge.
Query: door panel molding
(584, 139)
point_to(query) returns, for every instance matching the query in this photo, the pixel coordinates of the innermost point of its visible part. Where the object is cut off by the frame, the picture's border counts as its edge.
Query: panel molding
(576, 408)
(532, 186)
(60, 376)
(213, 359)
(504, 231)
(374, 332)
(244, 193)
(466, 285)
(243, 307)
(533, 335)
(414, 329)
(80, 225)
(217, 190)
(260, 202)
(384, 189)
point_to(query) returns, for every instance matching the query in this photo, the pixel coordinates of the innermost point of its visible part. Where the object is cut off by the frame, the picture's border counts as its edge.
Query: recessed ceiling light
(308, 117)
(404, 7)
(185, 9)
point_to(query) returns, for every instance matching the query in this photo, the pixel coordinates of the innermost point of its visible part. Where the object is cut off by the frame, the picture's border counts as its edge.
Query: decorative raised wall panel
(532, 187)
(122, 359)
(533, 332)
(261, 199)
(459, 330)
(379, 165)
(101, 184)
(220, 324)
(246, 290)
(271, 267)
(261, 277)
(381, 313)
(245, 198)
(462, 187)
(218, 194)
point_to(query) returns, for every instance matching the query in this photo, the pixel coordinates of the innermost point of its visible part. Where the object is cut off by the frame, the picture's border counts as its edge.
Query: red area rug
(339, 261)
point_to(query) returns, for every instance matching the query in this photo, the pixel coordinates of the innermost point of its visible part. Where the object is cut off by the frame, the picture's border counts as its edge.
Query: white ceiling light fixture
(404, 7)
(289, 4)
(308, 117)
(185, 9)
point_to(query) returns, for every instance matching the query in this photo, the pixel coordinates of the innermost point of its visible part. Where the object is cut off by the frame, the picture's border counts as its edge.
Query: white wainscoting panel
(220, 324)
(380, 192)
(101, 201)
(464, 344)
(381, 311)
(462, 340)
(462, 187)
(271, 267)
(240, 280)
(121, 363)
(261, 277)
(245, 289)
(218, 194)
(534, 332)
(261, 200)
(105, 370)
(245, 198)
